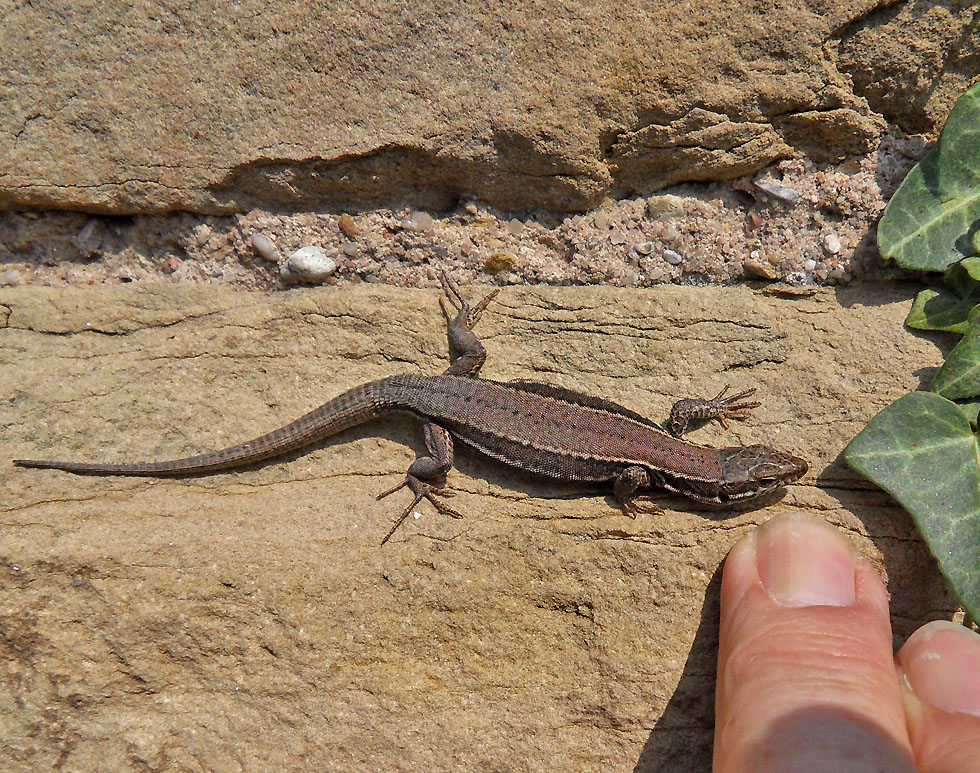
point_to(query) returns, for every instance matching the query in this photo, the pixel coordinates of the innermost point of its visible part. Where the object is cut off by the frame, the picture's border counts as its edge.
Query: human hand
(806, 677)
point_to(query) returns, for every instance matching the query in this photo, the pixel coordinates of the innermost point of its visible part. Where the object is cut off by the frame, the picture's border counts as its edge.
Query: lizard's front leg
(427, 475)
(630, 481)
(718, 407)
(466, 353)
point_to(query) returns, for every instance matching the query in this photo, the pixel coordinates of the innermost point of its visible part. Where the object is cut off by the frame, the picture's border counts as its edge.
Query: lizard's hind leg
(427, 476)
(466, 353)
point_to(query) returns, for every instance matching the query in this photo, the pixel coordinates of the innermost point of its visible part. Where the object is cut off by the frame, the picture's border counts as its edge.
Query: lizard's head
(753, 471)
(747, 472)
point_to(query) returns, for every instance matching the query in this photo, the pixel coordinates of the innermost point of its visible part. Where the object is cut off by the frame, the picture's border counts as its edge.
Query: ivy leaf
(959, 377)
(938, 310)
(970, 409)
(962, 278)
(922, 451)
(948, 309)
(933, 219)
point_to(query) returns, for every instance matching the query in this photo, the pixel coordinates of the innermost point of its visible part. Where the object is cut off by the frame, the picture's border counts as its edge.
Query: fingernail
(804, 561)
(941, 662)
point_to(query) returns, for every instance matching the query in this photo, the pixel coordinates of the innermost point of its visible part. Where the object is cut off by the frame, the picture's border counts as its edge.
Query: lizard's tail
(356, 406)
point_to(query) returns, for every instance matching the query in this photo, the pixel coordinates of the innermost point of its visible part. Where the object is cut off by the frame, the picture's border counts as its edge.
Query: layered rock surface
(150, 107)
(250, 619)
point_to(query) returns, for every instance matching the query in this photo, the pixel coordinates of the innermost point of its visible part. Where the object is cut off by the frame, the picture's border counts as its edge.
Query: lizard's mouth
(724, 495)
(750, 490)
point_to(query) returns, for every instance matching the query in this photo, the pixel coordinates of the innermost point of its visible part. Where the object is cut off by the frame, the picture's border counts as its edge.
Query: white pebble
(351, 250)
(617, 237)
(601, 220)
(418, 221)
(810, 265)
(643, 248)
(263, 245)
(10, 277)
(674, 258)
(781, 192)
(307, 264)
(831, 243)
(671, 233)
(515, 226)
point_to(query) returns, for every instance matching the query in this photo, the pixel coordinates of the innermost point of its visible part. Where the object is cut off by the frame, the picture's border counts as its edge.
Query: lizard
(528, 425)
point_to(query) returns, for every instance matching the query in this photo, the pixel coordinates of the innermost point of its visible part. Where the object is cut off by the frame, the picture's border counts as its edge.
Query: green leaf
(959, 377)
(962, 277)
(948, 309)
(921, 450)
(939, 310)
(970, 409)
(933, 218)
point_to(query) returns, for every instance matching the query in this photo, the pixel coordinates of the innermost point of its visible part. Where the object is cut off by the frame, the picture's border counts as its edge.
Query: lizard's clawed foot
(729, 407)
(422, 490)
(469, 316)
(719, 407)
(641, 504)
